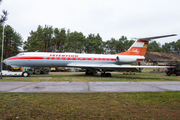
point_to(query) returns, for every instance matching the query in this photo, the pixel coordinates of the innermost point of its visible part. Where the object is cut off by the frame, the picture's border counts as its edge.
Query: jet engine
(126, 59)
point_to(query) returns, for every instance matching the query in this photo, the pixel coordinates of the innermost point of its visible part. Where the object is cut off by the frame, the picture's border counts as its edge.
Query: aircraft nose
(4, 61)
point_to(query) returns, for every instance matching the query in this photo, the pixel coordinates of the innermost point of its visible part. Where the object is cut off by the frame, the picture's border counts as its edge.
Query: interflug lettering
(62, 55)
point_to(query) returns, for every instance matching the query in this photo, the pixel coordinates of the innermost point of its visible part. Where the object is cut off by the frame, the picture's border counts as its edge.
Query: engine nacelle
(126, 59)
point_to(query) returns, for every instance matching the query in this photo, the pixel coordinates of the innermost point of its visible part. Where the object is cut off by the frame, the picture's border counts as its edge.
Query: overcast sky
(109, 18)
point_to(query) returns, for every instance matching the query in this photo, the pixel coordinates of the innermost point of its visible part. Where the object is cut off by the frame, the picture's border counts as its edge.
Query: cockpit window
(20, 54)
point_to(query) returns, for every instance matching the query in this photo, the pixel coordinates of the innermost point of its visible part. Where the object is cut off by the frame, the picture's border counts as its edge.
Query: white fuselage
(40, 59)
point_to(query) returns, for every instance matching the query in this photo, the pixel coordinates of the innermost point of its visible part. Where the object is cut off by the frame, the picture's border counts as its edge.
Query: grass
(142, 105)
(81, 77)
(136, 105)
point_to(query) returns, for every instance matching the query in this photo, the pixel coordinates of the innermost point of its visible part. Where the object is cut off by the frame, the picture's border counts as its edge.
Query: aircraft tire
(25, 74)
(108, 74)
(37, 71)
(103, 75)
(91, 73)
(177, 73)
(46, 71)
(87, 73)
(168, 73)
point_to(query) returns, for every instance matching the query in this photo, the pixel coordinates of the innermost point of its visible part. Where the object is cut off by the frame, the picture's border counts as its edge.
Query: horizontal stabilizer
(156, 37)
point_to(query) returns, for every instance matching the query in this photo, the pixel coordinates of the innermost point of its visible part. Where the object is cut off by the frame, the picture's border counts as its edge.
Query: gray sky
(109, 18)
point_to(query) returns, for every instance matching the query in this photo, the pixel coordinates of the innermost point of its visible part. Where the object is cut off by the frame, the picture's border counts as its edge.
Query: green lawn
(136, 105)
(52, 106)
(81, 77)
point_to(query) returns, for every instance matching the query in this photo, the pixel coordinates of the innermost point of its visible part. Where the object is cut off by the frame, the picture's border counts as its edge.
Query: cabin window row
(75, 58)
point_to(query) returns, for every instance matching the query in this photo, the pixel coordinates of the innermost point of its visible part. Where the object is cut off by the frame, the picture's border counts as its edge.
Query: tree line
(12, 41)
(49, 39)
(3, 17)
(172, 47)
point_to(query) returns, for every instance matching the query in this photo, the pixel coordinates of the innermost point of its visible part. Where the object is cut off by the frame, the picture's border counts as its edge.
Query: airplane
(91, 62)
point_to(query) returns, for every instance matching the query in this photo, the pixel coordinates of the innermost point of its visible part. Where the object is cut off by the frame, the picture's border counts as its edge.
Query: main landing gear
(105, 74)
(89, 73)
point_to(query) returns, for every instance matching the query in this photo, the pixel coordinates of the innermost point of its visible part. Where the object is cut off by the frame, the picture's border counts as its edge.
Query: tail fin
(140, 46)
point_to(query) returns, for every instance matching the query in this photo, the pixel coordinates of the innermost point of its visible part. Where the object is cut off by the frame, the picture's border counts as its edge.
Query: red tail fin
(140, 46)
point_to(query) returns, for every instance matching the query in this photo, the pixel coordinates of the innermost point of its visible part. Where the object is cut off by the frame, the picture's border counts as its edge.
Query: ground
(159, 56)
(106, 106)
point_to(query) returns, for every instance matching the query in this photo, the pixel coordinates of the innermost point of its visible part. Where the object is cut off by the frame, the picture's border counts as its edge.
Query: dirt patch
(159, 56)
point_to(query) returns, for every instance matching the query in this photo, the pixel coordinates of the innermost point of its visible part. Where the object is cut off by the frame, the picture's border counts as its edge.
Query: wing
(111, 66)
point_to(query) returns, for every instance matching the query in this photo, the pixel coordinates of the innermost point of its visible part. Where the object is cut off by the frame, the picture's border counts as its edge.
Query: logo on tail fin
(136, 51)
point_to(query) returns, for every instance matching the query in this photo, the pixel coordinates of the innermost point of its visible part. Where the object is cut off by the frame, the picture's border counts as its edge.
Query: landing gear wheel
(168, 73)
(108, 74)
(178, 73)
(89, 73)
(25, 74)
(46, 71)
(37, 71)
(103, 75)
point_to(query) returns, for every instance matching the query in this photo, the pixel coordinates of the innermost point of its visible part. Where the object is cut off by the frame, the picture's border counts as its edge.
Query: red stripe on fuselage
(24, 58)
(61, 58)
(139, 59)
